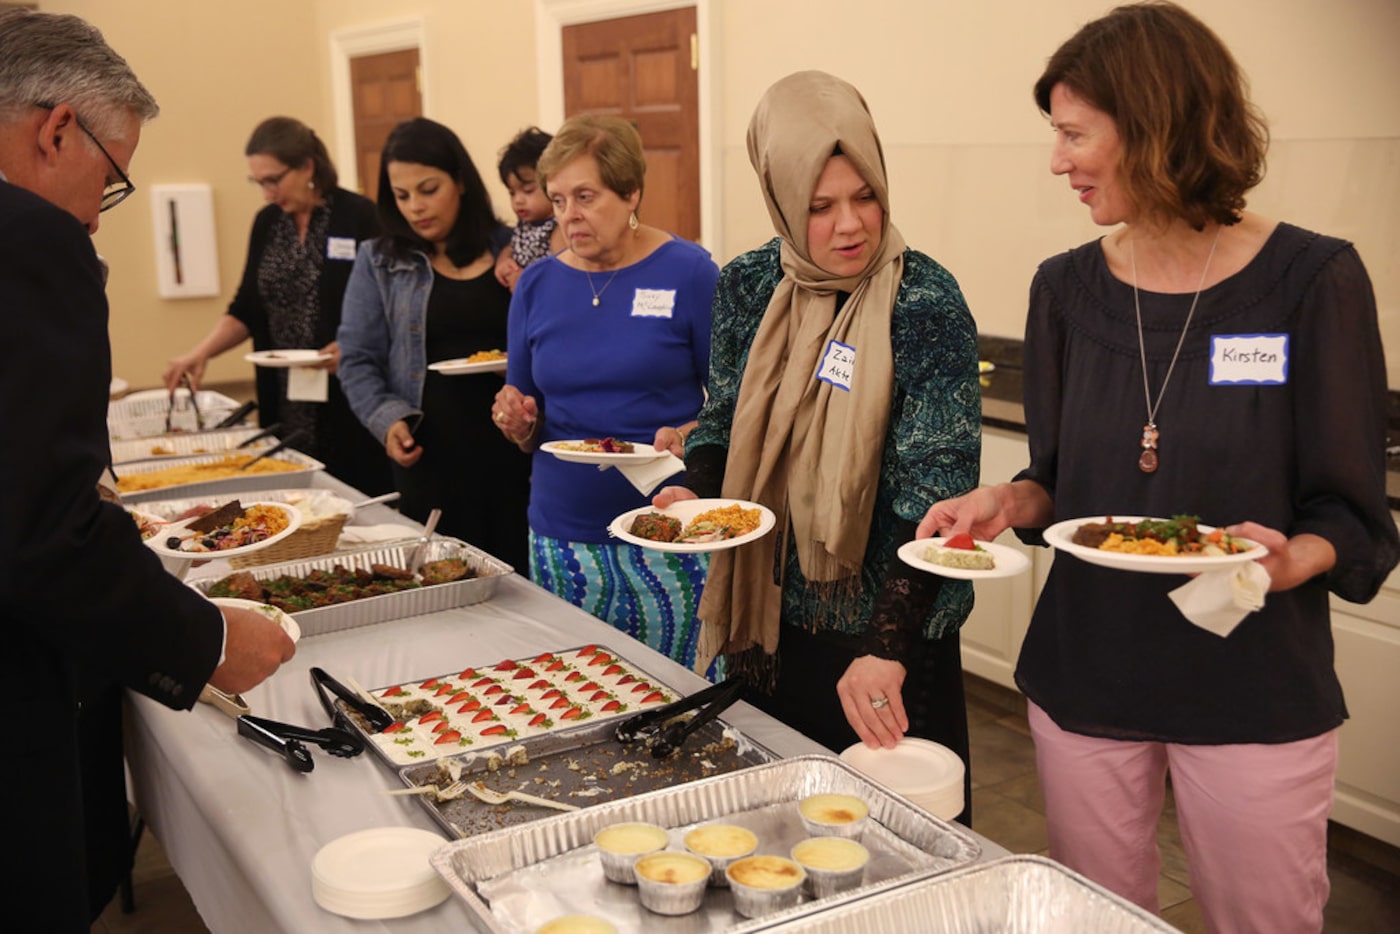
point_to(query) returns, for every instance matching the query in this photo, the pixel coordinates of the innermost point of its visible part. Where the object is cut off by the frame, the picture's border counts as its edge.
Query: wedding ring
(879, 702)
(500, 417)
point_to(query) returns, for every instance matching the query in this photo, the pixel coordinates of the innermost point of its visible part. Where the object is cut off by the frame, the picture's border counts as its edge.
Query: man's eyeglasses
(272, 181)
(115, 192)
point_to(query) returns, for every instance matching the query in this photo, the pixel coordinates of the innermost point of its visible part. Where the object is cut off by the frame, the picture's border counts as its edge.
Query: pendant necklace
(1147, 462)
(598, 293)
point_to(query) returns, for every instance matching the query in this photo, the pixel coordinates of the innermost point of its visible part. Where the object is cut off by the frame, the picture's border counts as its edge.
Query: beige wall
(949, 84)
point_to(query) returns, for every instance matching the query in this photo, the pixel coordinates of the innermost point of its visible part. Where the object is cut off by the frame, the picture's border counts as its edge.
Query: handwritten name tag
(340, 248)
(1249, 359)
(838, 365)
(653, 303)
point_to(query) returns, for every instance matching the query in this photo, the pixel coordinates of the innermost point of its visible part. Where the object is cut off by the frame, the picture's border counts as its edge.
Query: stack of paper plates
(379, 873)
(928, 774)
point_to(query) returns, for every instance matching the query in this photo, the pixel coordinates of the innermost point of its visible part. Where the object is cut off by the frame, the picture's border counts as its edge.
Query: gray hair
(48, 58)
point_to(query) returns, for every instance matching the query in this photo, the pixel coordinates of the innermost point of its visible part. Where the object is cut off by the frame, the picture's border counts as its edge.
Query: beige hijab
(808, 450)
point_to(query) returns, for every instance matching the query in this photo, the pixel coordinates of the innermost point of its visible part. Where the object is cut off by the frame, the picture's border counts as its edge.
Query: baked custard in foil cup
(619, 845)
(721, 844)
(672, 883)
(765, 884)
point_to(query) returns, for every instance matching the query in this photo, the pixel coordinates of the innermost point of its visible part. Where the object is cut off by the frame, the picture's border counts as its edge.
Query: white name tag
(653, 303)
(340, 248)
(838, 365)
(1249, 359)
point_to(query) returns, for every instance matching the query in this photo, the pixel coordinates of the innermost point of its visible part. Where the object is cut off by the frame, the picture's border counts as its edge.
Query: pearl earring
(632, 221)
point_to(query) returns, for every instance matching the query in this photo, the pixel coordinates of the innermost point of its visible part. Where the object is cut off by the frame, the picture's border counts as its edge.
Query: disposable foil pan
(1015, 895)
(389, 606)
(142, 415)
(518, 878)
(188, 444)
(307, 466)
(586, 766)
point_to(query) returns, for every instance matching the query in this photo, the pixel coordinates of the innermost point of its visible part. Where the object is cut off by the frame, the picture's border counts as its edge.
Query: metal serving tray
(1014, 895)
(518, 878)
(188, 444)
(142, 415)
(307, 466)
(389, 606)
(586, 766)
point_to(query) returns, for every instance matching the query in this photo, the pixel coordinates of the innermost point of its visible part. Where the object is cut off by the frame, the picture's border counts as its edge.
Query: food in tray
(671, 883)
(619, 845)
(340, 584)
(834, 864)
(960, 551)
(765, 884)
(513, 699)
(577, 924)
(721, 845)
(713, 525)
(1177, 536)
(225, 467)
(833, 815)
(597, 446)
(228, 527)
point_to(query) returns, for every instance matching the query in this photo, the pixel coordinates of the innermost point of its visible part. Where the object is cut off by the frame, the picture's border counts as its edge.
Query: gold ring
(500, 417)
(879, 703)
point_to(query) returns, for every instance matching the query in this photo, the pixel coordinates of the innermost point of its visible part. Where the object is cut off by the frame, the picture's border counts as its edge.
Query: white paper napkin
(308, 384)
(646, 476)
(369, 534)
(1218, 601)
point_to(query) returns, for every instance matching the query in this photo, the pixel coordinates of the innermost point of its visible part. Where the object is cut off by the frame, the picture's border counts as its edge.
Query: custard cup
(721, 845)
(833, 864)
(833, 815)
(670, 882)
(765, 884)
(619, 845)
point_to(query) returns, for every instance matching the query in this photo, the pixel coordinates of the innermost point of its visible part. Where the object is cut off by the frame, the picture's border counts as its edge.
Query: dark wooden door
(644, 68)
(385, 92)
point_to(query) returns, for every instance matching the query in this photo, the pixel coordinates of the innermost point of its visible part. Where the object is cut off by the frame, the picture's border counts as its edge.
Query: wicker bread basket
(317, 536)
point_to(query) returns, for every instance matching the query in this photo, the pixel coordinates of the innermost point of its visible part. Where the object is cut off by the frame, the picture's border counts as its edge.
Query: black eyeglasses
(272, 181)
(115, 192)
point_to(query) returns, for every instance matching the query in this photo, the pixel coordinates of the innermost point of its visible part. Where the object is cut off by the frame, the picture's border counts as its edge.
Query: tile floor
(1008, 808)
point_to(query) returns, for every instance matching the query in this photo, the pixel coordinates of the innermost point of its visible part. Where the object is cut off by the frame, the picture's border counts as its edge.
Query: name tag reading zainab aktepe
(838, 365)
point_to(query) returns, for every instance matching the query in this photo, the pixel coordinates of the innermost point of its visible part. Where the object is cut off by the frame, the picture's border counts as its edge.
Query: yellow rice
(1138, 546)
(740, 520)
(221, 469)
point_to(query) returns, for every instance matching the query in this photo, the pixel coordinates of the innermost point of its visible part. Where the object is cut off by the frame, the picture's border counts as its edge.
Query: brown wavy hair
(612, 141)
(1193, 143)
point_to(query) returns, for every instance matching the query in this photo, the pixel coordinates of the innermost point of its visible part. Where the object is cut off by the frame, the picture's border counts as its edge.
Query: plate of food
(602, 451)
(285, 620)
(694, 525)
(233, 529)
(147, 523)
(1179, 545)
(286, 358)
(962, 557)
(483, 361)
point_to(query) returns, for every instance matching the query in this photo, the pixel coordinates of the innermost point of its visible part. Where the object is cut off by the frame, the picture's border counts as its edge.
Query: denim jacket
(383, 351)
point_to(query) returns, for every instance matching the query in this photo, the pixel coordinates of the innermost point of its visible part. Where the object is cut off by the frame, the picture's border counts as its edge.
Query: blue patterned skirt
(650, 595)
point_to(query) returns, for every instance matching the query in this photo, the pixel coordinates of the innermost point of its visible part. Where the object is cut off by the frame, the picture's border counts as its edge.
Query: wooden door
(643, 68)
(385, 91)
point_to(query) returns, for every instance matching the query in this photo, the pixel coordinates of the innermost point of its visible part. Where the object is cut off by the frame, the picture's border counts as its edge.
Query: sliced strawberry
(493, 689)
(496, 729)
(520, 708)
(482, 682)
(538, 719)
(588, 650)
(441, 725)
(469, 706)
(961, 540)
(653, 697)
(612, 705)
(560, 701)
(506, 665)
(591, 686)
(625, 679)
(552, 692)
(483, 715)
(573, 713)
(541, 659)
(537, 685)
(506, 699)
(555, 665)
(430, 716)
(451, 736)
(395, 727)
(459, 697)
(641, 686)
(599, 695)
(468, 674)
(523, 673)
(429, 684)
(602, 658)
(446, 687)
(573, 676)
(394, 691)
(612, 670)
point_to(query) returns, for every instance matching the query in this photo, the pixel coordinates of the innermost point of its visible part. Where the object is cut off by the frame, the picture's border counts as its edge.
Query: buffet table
(240, 828)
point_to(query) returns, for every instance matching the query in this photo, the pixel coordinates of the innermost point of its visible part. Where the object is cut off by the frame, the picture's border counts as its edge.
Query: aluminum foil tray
(389, 606)
(585, 767)
(142, 415)
(1014, 895)
(187, 444)
(518, 878)
(307, 466)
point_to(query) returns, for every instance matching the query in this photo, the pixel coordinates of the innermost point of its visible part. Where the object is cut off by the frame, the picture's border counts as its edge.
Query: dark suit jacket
(347, 449)
(78, 589)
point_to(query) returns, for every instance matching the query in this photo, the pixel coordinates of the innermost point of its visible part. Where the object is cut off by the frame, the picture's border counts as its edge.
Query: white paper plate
(148, 517)
(157, 543)
(460, 367)
(286, 358)
(288, 624)
(925, 772)
(685, 511)
(643, 451)
(1058, 537)
(380, 873)
(1009, 561)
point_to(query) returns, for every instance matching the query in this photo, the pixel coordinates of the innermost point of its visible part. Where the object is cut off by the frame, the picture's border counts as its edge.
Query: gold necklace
(1147, 461)
(598, 293)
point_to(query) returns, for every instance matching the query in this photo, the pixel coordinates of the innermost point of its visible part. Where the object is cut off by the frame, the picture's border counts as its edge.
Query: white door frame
(551, 16)
(393, 36)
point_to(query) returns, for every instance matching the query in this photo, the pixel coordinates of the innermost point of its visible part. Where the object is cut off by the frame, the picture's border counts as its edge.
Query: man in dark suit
(80, 596)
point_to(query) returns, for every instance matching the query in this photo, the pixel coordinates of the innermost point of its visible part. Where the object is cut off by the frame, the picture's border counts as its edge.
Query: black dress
(479, 480)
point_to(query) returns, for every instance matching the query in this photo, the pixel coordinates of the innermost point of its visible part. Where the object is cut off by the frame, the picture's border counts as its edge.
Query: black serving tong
(297, 755)
(254, 439)
(333, 740)
(237, 415)
(377, 717)
(664, 732)
(292, 436)
(194, 404)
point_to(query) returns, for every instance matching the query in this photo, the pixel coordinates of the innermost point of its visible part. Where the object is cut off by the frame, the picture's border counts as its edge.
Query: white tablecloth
(240, 828)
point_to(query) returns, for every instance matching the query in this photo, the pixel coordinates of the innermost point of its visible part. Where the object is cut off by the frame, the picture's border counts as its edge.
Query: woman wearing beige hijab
(843, 396)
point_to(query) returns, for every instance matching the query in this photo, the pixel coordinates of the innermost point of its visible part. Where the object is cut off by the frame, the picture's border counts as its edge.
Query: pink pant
(1253, 820)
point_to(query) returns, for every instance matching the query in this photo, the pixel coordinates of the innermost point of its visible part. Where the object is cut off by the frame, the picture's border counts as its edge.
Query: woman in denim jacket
(426, 291)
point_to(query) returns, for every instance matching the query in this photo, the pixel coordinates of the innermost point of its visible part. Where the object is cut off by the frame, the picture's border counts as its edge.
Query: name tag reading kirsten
(1248, 359)
(838, 365)
(340, 248)
(653, 303)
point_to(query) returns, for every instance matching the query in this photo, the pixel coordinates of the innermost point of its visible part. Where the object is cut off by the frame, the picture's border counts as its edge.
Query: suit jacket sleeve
(76, 582)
